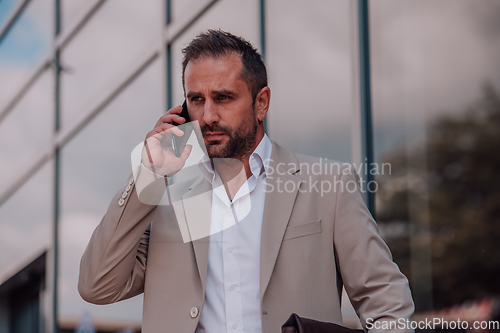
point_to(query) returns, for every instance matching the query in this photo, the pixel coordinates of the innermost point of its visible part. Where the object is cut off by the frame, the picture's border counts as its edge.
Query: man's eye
(223, 97)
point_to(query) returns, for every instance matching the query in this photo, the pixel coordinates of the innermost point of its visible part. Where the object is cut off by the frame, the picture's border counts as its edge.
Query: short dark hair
(218, 43)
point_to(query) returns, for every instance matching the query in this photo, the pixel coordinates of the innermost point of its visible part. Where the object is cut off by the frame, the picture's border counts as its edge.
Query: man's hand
(158, 154)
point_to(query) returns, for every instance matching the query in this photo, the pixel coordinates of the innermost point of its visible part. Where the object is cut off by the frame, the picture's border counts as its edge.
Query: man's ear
(262, 103)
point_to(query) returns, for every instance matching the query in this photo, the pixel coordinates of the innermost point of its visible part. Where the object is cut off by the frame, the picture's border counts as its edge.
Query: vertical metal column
(263, 29)
(165, 57)
(365, 103)
(168, 12)
(263, 40)
(168, 59)
(57, 173)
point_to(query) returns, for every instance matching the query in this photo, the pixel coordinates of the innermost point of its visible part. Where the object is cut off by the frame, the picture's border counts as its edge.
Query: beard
(241, 140)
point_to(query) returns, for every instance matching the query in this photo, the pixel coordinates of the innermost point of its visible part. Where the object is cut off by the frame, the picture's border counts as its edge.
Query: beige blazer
(312, 244)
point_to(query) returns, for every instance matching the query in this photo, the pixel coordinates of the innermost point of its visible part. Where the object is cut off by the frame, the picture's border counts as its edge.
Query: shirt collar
(259, 158)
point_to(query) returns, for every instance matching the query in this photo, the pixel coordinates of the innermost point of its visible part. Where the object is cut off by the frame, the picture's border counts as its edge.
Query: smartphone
(184, 113)
(179, 142)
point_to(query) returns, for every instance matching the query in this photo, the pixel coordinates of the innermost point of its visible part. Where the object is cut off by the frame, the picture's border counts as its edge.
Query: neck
(234, 172)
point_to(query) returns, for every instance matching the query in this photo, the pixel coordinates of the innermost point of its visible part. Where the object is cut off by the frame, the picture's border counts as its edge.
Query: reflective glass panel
(310, 76)
(95, 164)
(28, 40)
(26, 222)
(239, 18)
(72, 9)
(181, 8)
(6, 8)
(105, 50)
(26, 132)
(436, 98)
(309, 62)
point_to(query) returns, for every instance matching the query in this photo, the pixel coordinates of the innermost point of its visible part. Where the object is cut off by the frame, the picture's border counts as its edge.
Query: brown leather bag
(295, 324)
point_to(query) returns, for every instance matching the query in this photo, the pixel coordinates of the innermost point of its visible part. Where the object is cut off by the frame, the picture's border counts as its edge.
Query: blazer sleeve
(113, 265)
(377, 289)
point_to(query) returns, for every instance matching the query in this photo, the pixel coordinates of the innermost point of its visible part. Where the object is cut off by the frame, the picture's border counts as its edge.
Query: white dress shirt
(232, 293)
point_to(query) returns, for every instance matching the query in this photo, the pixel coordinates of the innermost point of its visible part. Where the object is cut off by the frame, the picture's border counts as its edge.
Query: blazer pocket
(303, 229)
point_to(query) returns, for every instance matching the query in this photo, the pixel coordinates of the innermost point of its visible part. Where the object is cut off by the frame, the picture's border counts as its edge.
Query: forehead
(218, 71)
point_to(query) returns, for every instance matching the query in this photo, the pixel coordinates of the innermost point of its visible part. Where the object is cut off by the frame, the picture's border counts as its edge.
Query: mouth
(213, 136)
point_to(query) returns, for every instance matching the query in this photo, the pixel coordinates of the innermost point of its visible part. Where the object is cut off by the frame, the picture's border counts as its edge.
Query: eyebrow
(223, 92)
(192, 94)
(214, 92)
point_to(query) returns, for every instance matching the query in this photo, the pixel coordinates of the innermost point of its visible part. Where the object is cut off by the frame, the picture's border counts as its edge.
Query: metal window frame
(365, 101)
(262, 19)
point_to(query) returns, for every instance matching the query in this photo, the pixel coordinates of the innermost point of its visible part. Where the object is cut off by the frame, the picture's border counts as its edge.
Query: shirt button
(194, 312)
(230, 249)
(232, 287)
(235, 326)
(229, 213)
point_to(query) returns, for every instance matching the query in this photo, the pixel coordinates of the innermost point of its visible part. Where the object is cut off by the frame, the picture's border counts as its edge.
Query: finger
(175, 110)
(169, 128)
(178, 120)
(154, 135)
(159, 131)
(171, 115)
(169, 119)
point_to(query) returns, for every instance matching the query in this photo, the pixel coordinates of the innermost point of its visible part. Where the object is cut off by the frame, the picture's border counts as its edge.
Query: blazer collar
(278, 206)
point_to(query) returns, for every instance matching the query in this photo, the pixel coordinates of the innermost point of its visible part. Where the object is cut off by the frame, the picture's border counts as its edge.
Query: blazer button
(194, 312)
(121, 202)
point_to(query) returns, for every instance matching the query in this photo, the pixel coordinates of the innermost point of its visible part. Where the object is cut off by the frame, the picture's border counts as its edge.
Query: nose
(210, 112)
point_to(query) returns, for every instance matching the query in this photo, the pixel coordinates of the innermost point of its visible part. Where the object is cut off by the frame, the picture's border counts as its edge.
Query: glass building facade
(408, 91)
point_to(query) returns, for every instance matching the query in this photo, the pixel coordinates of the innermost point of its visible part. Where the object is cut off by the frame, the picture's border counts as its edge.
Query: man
(275, 245)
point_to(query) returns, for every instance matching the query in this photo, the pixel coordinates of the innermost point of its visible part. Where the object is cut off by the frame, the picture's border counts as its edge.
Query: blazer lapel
(197, 204)
(197, 207)
(277, 209)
